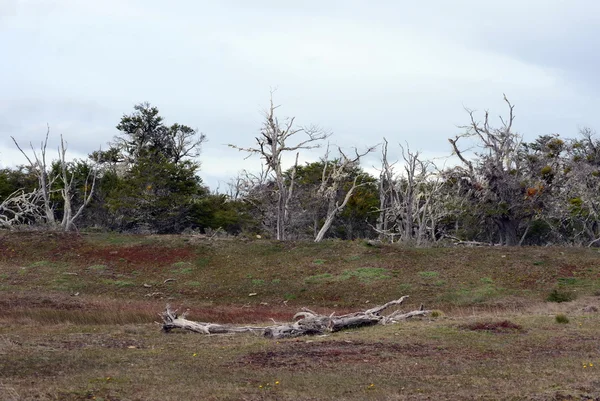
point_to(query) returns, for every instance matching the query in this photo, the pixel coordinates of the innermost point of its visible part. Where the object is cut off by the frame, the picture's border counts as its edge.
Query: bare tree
(408, 207)
(271, 145)
(38, 205)
(387, 195)
(45, 181)
(69, 216)
(498, 173)
(335, 173)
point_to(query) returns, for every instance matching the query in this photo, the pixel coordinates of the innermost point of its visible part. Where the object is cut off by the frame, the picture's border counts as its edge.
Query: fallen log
(306, 322)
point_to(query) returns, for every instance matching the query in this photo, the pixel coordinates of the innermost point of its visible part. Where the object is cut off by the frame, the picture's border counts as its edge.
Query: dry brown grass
(496, 339)
(426, 359)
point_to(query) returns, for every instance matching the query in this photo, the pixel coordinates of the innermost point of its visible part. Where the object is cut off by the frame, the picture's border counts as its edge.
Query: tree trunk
(509, 231)
(325, 227)
(280, 215)
(309, 322)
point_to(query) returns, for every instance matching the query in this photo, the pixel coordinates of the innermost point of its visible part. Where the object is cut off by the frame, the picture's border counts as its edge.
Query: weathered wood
(308, 323)
(173, 321)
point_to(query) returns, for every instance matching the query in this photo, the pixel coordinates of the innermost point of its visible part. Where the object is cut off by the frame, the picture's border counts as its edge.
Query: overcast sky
(363, 70)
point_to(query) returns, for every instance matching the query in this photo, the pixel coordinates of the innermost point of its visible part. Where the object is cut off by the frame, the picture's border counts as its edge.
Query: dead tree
(306, 322)
(38, 205)
(69, 216)
(45, 181)
(408, 207)
(20, 208)
(271, 145)
(498, 172)
(335, 173)
(387, 195)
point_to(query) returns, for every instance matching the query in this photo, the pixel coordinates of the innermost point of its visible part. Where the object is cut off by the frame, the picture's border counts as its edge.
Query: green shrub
(436, 313)
(365, 274)
(560, 295)
(562, 319)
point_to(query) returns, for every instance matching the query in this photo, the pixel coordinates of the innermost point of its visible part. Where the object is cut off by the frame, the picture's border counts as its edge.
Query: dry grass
(427, 359)
(502, 326)
(496, 339)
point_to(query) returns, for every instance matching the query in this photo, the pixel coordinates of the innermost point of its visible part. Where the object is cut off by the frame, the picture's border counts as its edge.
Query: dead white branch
(19, 208)
(308, 323)
(171, 320)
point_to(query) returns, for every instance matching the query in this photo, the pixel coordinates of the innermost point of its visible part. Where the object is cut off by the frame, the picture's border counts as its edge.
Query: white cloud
(361, 69)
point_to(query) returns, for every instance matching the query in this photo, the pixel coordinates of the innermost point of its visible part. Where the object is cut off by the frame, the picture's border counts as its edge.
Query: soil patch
(306, 355)
(147, 256)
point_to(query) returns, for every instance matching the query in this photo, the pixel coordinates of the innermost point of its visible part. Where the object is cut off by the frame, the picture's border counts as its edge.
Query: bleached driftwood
(306, 322)
(171, 320)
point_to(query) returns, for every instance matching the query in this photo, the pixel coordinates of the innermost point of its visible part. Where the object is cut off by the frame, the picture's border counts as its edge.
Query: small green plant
(202, 262)
(289, 297)
(436, 313)
(487, 280)
(276, 281)
(561, 319)
(567, 280)
(319, 261)
(428, 274)
(560, 295)
(257, 281)
(179, 265)
(404, 287)
(194, 283)
(41, 263)
(97, 267)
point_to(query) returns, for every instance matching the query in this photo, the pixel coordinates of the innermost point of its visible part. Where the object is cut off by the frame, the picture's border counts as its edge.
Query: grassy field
(78, 320)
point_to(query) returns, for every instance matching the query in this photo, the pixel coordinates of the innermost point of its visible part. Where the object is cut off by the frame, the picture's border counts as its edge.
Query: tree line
(503, 190)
